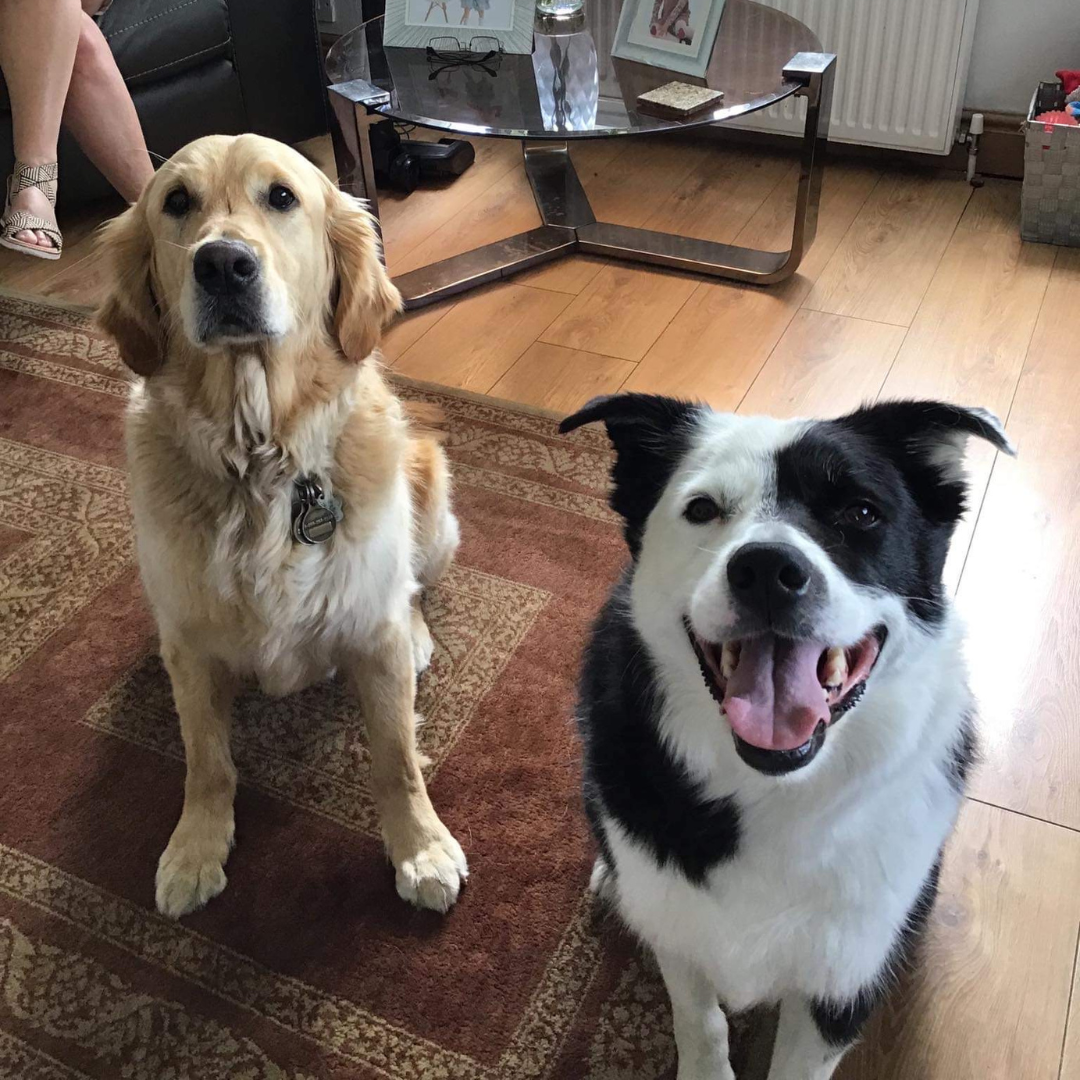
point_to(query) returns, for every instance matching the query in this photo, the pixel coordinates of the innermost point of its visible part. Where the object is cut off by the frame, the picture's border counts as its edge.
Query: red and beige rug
(308, 965)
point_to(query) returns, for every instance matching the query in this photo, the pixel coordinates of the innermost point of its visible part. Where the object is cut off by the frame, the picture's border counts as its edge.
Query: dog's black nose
(769, 578)
(225, 267)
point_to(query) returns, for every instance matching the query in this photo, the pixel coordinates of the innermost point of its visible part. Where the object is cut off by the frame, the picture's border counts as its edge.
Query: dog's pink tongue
(774, 698)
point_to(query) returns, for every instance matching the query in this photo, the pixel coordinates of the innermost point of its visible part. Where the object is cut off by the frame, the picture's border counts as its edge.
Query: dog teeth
(835, 670)
(729, 658)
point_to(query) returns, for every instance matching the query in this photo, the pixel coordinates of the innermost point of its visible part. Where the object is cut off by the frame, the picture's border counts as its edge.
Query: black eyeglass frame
(462, 55)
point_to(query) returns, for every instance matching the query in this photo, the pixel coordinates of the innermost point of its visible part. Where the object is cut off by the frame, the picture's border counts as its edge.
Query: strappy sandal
(42, 177)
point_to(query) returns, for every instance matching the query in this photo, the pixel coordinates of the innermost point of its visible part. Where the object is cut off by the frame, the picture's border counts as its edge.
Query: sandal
(42, 177)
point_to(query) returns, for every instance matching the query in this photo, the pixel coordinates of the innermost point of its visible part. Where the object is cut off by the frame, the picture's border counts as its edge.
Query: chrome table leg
(815, 72)
(569, 224)
(354, 104)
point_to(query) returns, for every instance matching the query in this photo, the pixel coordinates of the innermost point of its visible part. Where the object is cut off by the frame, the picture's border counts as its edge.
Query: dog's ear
(129, 314)
(927, 440)
(651, 435)
(366, 297)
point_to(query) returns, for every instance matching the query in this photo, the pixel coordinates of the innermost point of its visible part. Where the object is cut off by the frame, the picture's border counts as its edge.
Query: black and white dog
(774, 710)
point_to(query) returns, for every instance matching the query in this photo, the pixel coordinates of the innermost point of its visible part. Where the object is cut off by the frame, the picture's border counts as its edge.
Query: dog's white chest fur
(274, 608)
(309, 600)
(828, 864)
(811, 896)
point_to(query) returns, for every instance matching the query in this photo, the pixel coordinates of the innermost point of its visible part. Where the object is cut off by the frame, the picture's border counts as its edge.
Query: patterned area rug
(308, 965)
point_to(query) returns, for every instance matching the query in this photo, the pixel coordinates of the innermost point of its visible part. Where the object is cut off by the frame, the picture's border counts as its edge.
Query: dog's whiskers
(923, 600)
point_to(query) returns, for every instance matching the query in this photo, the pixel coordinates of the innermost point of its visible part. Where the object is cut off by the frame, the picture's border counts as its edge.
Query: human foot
(33, 202)
(29, 224)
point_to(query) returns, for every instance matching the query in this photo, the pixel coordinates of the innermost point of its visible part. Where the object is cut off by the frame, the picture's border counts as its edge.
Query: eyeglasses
(450, 51)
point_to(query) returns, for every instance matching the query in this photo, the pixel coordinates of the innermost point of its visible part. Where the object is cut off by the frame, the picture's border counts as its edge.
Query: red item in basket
(1070, 80)
(1057, 117)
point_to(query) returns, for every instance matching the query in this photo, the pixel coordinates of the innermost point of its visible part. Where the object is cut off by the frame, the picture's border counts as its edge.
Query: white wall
(1019, 43)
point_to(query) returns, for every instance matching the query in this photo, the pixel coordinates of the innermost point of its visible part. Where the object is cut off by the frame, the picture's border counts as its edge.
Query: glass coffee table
(572, 88)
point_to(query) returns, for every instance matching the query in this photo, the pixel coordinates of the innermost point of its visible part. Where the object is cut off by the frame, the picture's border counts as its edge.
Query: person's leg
(100, 114)
(37, 50)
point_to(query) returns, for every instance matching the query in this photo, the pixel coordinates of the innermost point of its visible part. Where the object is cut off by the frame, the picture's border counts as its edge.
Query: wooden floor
(916, 285)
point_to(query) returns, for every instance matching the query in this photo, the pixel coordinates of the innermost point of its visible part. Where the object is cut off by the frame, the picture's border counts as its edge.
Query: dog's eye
(177, 202)
(860, 515)
(280, 197)
(701, 509)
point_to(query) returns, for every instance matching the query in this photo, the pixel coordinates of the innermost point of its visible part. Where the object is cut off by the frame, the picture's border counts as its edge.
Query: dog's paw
(190, 874)
(432, 876)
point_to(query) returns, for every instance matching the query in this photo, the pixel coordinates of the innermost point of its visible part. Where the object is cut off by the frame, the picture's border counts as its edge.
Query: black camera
(401, 164)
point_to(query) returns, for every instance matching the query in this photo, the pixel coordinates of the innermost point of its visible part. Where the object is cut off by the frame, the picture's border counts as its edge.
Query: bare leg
(101, 115)
(802, 1051)
(37, 51)
(190, 871)
(429, 862)
(701, 1029)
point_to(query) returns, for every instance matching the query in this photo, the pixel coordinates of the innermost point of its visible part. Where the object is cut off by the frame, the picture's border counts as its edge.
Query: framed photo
(674, 34)
(415, 24)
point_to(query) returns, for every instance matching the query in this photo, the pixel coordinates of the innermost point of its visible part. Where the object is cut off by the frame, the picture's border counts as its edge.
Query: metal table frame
(569, 224)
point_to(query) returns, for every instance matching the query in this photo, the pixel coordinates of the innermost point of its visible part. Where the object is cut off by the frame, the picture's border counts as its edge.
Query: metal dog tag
(315, 517)
(315, 525)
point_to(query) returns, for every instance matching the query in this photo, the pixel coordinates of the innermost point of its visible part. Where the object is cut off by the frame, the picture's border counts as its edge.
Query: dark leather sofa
(197, 67)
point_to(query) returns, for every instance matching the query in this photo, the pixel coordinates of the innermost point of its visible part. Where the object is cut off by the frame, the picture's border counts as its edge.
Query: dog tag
(315, 525)
(315, 517)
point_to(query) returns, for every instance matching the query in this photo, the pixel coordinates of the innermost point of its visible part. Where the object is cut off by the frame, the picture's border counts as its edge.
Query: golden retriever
(248, 293)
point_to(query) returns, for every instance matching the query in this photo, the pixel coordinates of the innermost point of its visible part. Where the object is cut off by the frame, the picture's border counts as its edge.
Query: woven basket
(1050, 206)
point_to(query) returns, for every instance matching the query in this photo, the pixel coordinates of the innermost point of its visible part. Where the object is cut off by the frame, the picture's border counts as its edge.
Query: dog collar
(315, 515)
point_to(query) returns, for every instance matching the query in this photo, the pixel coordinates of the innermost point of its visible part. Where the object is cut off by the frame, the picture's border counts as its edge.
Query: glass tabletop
(571, 86)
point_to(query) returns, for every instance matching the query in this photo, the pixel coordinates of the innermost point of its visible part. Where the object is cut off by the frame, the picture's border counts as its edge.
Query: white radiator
(901, 69)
